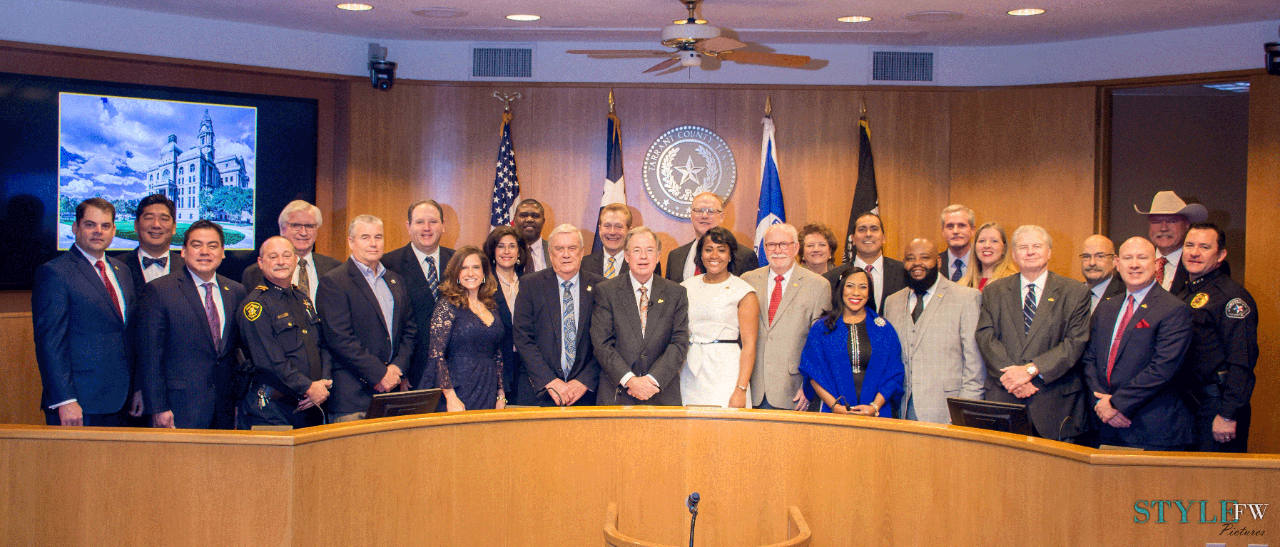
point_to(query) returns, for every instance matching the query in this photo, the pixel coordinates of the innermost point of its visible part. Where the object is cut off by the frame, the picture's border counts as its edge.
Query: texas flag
(771, 210)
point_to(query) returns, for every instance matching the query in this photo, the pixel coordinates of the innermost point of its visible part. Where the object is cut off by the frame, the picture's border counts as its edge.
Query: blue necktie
(433, 278)
(569, 329)
(957, 270)
(1029, 307)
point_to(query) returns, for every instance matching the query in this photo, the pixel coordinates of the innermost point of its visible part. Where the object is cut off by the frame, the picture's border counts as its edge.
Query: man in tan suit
(791, 299)
(935, 319)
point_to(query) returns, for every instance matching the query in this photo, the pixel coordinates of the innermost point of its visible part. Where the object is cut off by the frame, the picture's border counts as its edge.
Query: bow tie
(148, 261)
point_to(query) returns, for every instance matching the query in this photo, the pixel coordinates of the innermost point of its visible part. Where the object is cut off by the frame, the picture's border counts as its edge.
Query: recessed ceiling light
(524, 17)
(355, 7)
(1026, 11)
(854, 19)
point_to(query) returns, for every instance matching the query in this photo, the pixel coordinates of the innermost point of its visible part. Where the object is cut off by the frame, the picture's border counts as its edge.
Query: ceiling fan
(693, 38)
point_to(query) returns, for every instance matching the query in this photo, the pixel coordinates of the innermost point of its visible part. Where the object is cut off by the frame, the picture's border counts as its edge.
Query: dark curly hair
(719, 236)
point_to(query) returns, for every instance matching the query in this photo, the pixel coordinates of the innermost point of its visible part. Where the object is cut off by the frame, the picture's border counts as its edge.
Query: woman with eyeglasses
(852, 360)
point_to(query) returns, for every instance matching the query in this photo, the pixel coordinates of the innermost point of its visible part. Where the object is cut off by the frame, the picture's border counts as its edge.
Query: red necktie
(1160, 264)
(776, 297)
(1115, 342)
(111, 289)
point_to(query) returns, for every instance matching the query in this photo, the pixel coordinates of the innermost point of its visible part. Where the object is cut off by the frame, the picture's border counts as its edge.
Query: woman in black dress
(508, 254)
(466, 344)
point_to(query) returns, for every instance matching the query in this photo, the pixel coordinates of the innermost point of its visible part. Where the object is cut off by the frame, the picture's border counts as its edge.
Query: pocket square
(1143, 324)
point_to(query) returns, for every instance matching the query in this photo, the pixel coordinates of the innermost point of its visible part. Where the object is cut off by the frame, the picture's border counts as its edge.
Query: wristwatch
(1032, 370)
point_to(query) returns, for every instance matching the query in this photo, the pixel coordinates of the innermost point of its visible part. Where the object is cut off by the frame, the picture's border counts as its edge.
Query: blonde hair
(1002, 268)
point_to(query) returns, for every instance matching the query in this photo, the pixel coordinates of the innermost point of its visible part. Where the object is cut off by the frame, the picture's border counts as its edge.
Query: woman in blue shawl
(852, 360)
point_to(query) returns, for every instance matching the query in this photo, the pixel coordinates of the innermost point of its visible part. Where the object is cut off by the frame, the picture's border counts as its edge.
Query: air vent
(902, 66)
(501, 63)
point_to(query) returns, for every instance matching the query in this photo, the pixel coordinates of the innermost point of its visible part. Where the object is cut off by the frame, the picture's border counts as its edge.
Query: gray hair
(641, 230)
(567, 229)
(299, 206)
(363, 219)
(957, 208)
(789, 229)
(1028, 228)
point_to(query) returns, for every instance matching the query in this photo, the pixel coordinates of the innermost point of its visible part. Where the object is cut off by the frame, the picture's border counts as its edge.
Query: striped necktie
(1029, 308)
(569, 329)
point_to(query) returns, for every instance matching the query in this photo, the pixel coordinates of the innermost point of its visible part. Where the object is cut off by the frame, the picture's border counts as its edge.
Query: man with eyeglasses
(1098, 266)
(790, 299)
(300, 223)
(706, 212)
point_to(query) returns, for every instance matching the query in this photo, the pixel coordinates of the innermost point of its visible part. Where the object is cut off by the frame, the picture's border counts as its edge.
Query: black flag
(865, 197)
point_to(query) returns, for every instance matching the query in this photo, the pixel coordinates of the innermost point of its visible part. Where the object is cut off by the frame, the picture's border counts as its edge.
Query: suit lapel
(627, 304)
(1139, 313)
(585, 306)
(82, 263)
(935, 302)
(1048, 306)
(788, 294)
(357, 279)
(196, 301)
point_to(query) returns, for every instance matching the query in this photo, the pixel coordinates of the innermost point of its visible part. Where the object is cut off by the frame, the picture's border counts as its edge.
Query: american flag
(506, 186)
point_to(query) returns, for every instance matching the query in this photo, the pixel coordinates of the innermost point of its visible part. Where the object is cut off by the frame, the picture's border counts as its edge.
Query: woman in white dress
(723, 319)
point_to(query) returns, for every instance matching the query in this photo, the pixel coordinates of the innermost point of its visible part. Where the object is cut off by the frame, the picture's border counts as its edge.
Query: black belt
(737, 341)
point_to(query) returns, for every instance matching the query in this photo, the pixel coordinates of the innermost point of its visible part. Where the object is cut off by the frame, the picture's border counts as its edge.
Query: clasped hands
(564, 393)
(1107, 413)
(642, 387)
(1016, 380)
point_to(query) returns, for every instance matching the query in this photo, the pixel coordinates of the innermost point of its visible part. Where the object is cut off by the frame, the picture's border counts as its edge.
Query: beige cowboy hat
(1168, 203)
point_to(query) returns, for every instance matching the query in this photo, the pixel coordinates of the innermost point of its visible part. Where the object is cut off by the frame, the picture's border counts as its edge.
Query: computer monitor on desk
(404, 403)
(1008, 417)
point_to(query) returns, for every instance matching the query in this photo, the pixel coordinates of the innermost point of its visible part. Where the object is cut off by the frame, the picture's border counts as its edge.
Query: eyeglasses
(707, 211)
(773, 246)
(298, 226)
(1096, 257)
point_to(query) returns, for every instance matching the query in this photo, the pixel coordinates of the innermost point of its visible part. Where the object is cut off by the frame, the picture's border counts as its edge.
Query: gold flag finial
(506, 99)
(862, 108)
(611, 100)
(768, 105)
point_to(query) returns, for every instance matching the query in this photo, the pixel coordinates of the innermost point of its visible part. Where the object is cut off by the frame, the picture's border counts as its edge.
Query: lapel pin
(226, 288)
(588, 288)
(659, 300)
(1142, 306)
(1051, 300)
(393, 282)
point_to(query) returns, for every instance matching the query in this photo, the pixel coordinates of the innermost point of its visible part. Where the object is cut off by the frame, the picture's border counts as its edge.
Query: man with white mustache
(791, 299)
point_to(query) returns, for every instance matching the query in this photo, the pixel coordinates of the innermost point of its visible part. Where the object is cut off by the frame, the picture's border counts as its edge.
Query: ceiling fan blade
(770, 59)
(714, 46)
(620, 53)
(663, 65)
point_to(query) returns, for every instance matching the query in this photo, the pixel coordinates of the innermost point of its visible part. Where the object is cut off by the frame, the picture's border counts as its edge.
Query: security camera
(382, 73)
(1273, 58)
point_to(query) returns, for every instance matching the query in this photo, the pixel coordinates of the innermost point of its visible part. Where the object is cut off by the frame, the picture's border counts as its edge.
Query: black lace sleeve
(441, 327)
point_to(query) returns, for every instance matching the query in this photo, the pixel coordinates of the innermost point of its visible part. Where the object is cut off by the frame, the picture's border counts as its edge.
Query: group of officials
(1155, 350)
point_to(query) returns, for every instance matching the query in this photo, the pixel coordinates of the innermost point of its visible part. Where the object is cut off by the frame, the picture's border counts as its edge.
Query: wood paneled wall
(1000, 151)
(1264, 254)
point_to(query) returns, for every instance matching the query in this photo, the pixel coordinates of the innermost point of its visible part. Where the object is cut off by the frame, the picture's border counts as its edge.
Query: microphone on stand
(692, 504)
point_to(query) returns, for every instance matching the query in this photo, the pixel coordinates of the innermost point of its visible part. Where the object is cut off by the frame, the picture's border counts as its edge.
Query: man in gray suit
(791, 299)
(1032, 331)
(640, 329)
(935, 319)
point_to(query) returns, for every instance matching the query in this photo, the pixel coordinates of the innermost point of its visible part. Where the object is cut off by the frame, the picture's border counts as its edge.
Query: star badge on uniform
(252, 311)
(1199, 300)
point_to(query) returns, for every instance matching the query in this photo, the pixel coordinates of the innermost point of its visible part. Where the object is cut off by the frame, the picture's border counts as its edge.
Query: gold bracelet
(743, 388)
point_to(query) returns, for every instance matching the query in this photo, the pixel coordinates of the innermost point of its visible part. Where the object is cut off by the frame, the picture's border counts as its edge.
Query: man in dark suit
(558, 369)
(1137, 345)
(368, 323)
(612, 224)
(420, 264)
(300, 223)
(1168, 220)
(640, 330)
(187, 335)
(887, 275)
(79, 305)
(958, 224)
(155, 225)
(1032, 330)
(706, 212)
(1098, 266)
(529, 219)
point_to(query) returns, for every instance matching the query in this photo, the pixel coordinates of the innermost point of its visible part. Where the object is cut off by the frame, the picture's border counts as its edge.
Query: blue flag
(615, 190)
(506, 186)
(771, 210)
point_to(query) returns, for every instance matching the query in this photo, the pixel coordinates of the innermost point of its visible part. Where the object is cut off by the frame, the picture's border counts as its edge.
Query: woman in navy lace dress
(466, 335)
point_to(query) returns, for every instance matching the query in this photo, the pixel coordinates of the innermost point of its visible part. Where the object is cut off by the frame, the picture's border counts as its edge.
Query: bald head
(1097, 259)
(277, 258)
(1136, 262)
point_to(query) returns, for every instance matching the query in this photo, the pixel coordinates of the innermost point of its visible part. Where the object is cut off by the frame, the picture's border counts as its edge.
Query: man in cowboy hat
(1169, 219)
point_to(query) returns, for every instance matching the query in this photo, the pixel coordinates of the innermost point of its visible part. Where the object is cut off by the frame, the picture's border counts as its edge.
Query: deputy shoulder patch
(1199, 300)
(1237, 309)
(252, 311)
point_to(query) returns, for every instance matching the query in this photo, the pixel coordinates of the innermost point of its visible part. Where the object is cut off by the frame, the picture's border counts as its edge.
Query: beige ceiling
(983, 22)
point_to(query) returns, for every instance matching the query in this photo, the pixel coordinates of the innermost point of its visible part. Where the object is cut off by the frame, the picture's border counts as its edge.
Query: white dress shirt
(648, 287)
(217, 297)
(1171, 268)
(313, 278)
(156, 271)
